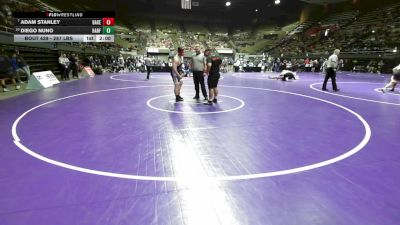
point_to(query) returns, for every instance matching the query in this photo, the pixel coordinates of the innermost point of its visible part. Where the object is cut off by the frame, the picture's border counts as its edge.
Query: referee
(147, 63)
(198, 68)
(331, 67)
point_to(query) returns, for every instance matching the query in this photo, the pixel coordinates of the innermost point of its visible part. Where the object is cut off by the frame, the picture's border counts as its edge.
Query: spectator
(64, 66)
(6, 71)
(15, 71)
(74, 65)
(23, 65)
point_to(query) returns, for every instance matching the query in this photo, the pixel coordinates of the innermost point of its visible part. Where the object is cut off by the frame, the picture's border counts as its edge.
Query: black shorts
(396, 76)
(212, 80)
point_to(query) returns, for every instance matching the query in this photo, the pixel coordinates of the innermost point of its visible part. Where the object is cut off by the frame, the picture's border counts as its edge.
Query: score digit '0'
(108, 21)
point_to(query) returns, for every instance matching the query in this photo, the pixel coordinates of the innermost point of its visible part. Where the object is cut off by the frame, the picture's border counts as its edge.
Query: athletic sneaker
(208, 103)
(391, 90)
(336, 90)
(5, 90)
(215, 100)
(178, 99)
(325, 89)
(17, 87)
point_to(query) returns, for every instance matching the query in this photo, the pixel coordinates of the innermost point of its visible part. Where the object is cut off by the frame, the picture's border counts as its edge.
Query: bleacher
(351, 31)
(196, 28)
(189, 41)
(301, 27)
(341, 19)
(167, 26)
(38, 59)
(160, 40)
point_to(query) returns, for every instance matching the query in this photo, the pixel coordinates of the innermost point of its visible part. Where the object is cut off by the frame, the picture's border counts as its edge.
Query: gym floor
(117, 149)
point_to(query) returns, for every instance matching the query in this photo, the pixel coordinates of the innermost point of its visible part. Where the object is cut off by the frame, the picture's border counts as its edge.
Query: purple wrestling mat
(117, 149)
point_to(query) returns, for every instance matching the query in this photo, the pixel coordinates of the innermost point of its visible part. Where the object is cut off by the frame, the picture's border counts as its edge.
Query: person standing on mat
(177, 74)
(147, 62)
(214, 62)
(198, 68)
(331, 67)
(393, 80)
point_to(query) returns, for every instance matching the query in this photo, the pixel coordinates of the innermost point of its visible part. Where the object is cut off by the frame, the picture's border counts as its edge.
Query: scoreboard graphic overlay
(64, 26)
